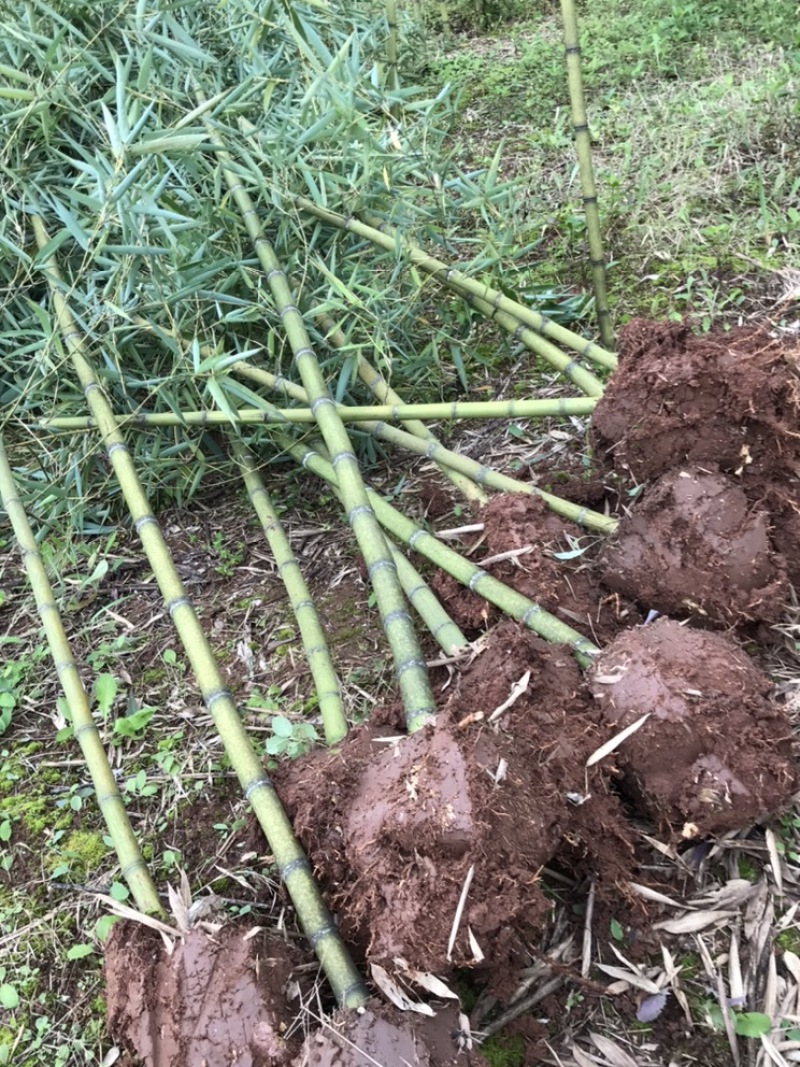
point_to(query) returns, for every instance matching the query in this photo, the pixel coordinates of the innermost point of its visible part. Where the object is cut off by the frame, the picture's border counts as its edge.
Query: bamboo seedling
(462, 284)
(508, 600)
(583, 147)
(290, 859)
(315, 645)
(132, 865)
(410, 670)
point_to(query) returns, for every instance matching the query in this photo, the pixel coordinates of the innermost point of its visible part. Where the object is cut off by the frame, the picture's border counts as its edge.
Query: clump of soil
(385, 1036)
(218, 1000)
(714, 755)
(727, 402)
(568, 589)
(395, 827)
(695, 547)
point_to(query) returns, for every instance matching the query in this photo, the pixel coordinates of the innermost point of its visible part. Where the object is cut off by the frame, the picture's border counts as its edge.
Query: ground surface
(617, 906)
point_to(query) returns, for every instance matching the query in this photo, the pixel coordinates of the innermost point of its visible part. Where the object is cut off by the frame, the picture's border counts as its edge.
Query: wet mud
(385, 1036)
(726, 402)
(695, 548)
(715, 751)
(398, 826)
(220, 999)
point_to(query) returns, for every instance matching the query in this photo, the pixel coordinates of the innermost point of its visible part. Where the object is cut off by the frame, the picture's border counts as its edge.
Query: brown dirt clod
(217, 1000)
(725, 401)
(694, 547)
(396, 826)
(714, 754)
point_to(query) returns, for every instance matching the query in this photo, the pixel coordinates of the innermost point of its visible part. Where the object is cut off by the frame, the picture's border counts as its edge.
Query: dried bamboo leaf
(658, 898)
(614, 743)
(517, 691)
(427, 981)
(178, 908)
(775, 860)
(694, 921)
(612, 1051)
(397, 996)
(631, 978)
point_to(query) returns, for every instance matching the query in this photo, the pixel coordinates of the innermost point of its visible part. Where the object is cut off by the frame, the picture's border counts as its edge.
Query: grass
(693, 111)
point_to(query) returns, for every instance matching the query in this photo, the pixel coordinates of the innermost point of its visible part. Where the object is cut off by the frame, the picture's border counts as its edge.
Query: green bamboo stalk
(392, 51)
(459, 409)
(313, 637)
(428, 606)
(514, 323)
(508, 600)
(412, 674)
(583, 146)
(444, 15)
(484, 297)
(381, 389)
(417, 591)
(482, 475)
(290, 859)
(132, 864)
(592, 520)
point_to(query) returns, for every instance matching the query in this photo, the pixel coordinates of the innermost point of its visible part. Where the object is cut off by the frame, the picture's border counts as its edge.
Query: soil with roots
(433, 849)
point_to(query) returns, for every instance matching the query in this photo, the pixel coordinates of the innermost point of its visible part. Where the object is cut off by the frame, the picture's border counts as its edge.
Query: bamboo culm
(478, 581)
(132, 864)
(470, 467)
(410, 669)
(583, 147)
(291, 862)
(315, 645)
(383, 392)
(482, 409)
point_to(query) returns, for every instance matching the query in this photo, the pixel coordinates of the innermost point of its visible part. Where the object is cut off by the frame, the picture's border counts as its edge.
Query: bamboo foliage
(132, 865)
(409, 664)
(583, 146)
(292, 864)
(315, 644)
(482, 294)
